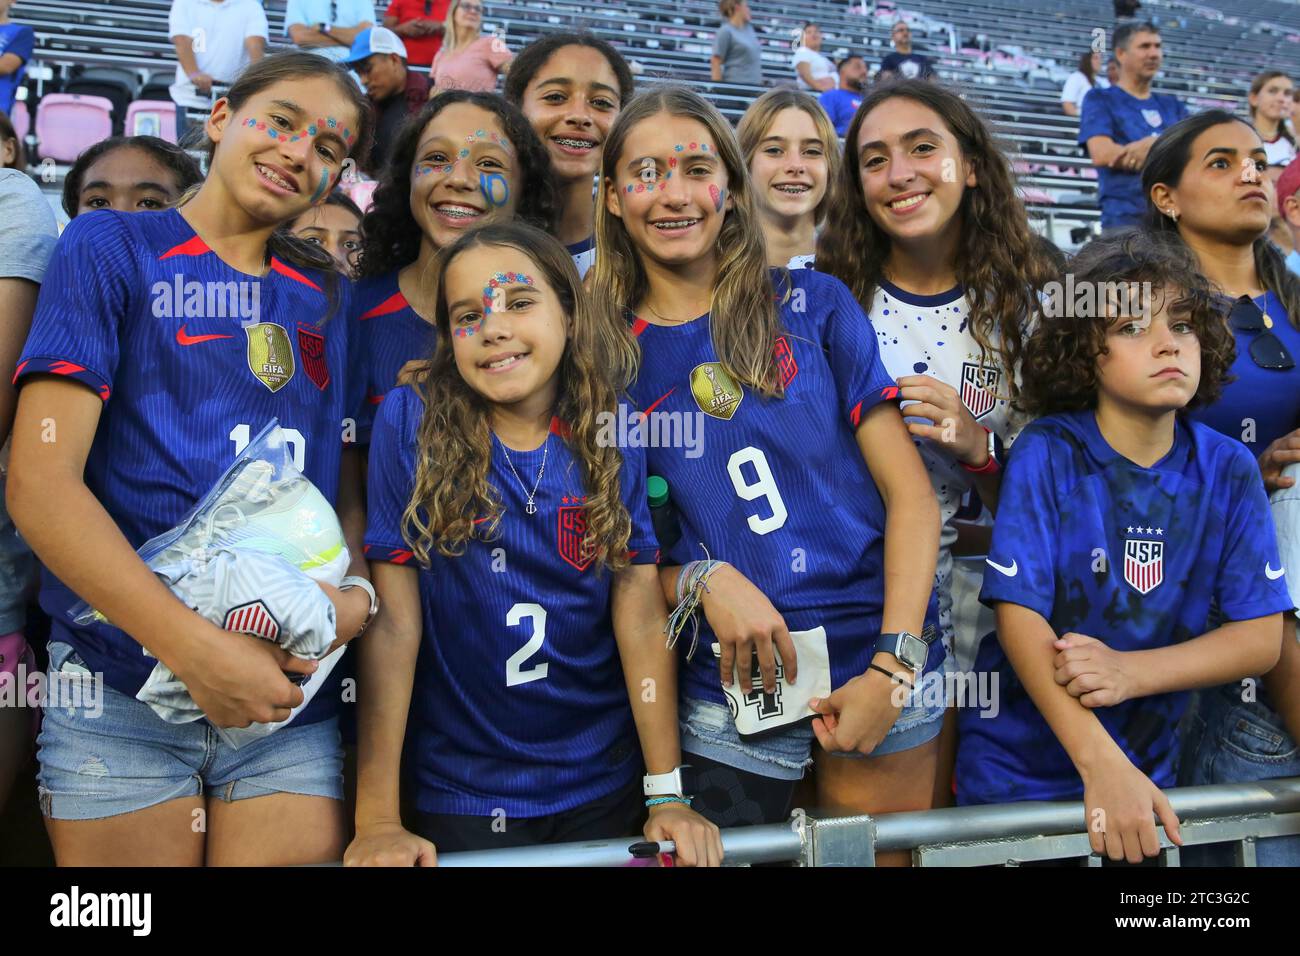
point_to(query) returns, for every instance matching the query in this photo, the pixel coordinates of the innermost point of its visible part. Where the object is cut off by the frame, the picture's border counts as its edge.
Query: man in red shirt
(419, 24)
(379, 59)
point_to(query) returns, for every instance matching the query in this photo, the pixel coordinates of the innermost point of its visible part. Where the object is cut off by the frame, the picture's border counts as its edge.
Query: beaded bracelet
(692, 582)
(661, 800)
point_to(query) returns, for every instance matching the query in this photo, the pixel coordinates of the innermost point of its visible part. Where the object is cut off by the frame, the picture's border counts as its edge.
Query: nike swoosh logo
(1010, 572)
(653, 405)
(183, 339)
(1270, 573)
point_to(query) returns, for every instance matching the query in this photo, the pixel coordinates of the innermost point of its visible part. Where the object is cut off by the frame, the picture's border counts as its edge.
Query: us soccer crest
(311, 346)
(571, 528)
(785, 362)
(715, 391)
(270, 355)
(252, 618)
(979, 388)
(1144, 564)
(1153, 117)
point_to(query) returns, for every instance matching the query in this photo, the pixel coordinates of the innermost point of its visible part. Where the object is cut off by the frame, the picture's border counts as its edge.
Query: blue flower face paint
(495, 188)
(494, 299)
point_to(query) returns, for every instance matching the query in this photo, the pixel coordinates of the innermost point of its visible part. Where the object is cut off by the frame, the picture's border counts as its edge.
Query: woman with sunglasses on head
(468, 60)
(1206, 182)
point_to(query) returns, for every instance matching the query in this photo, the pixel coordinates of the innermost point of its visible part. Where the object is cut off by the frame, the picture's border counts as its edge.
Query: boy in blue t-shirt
(1121, 523)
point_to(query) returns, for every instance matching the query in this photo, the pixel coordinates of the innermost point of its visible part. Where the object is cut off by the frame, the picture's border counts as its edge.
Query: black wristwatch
(910, 649)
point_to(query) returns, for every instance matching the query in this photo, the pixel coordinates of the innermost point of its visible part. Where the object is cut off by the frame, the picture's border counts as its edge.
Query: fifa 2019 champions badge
(270, 354)
(715, 391)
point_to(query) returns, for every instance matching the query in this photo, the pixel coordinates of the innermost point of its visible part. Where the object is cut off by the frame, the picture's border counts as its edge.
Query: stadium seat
(21, 119)
(151, 118)
(115, 84)
(158, 86)
(67, 123)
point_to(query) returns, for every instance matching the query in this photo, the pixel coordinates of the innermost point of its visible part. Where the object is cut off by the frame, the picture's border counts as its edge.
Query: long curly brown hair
(1000, 261)
(453, 502)
(1059, 366)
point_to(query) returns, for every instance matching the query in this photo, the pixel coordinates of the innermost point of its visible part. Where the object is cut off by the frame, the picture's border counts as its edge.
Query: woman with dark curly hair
(1122, 521)
(1207, 187)
(925, 227)
(465, 160)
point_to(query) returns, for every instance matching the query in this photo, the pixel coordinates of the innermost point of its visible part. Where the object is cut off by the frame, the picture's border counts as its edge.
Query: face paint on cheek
(320, 188)
(719, 196)
(495, 188)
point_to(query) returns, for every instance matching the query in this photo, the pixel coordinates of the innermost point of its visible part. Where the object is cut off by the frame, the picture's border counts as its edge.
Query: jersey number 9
(764, 487)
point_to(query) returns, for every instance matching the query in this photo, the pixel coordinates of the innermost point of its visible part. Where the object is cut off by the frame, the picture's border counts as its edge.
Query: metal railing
(998, 835)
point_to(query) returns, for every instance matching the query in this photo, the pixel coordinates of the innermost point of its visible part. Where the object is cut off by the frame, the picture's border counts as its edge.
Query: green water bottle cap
(657, 490)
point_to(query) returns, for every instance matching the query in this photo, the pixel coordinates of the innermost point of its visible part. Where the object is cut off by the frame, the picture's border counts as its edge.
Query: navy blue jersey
(393, 334)
(1260, 405)
(1110, 111)
(519, 701)
(1131, 556)
(192, 359)
(778, 487)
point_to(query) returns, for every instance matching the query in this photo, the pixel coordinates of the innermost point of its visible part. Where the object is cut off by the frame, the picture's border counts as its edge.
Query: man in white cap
(378, 57)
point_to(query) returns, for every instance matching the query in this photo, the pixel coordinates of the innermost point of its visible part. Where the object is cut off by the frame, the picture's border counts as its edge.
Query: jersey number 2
(764, 487)
(515, 674)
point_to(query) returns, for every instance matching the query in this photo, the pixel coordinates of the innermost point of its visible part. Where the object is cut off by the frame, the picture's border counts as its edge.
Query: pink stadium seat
(152, 118)
(67, 123)
(21, 119)
(361, 193)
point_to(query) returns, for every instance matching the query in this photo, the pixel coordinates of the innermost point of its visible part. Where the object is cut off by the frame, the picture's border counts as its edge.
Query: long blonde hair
(453, 501)
(450, 39)
(762, 113)
(744, 318)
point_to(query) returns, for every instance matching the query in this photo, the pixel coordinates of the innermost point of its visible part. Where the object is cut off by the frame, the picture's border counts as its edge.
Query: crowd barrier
(998, 835)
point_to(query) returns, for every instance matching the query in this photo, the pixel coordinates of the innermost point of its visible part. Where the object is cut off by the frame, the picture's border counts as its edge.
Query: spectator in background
(1112, 72)
(419, 24)
(468, 61)
(737, 54)
(12, 154)
(1085, 78)
(335, 226)
(814, 72)
(379, 58)
(1120, 123)
(214, 40)
(1125, 9)
(328, 27)
(904, 61)
(129, 174)
(1288, 205)
(1270, 109)
(16, 43)
(27, 236)
(842, 102)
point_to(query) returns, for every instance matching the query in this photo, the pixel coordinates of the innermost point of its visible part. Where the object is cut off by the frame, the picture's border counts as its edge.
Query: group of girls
(516, 686)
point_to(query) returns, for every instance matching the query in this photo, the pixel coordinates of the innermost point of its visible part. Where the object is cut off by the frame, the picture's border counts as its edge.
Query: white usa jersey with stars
(929, 335)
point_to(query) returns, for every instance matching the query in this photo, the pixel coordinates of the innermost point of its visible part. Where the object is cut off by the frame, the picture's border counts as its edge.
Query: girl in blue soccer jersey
(132, 405)
(465, 160)
(515, 560)
(1207, 184)
(1121, 522)
(805, 484)
(927, 230)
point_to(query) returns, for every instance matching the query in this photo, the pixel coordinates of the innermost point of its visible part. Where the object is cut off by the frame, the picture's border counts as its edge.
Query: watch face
(912, 651)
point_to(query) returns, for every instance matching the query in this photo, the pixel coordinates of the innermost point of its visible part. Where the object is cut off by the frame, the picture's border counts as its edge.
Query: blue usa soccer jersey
(779, 488)
(192, 359)
(519, 701)
(1131, 556)
(393, 334)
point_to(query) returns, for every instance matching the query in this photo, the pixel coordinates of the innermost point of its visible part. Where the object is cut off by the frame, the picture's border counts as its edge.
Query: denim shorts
(104, 753)
(1233, 741)
(708, 730)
